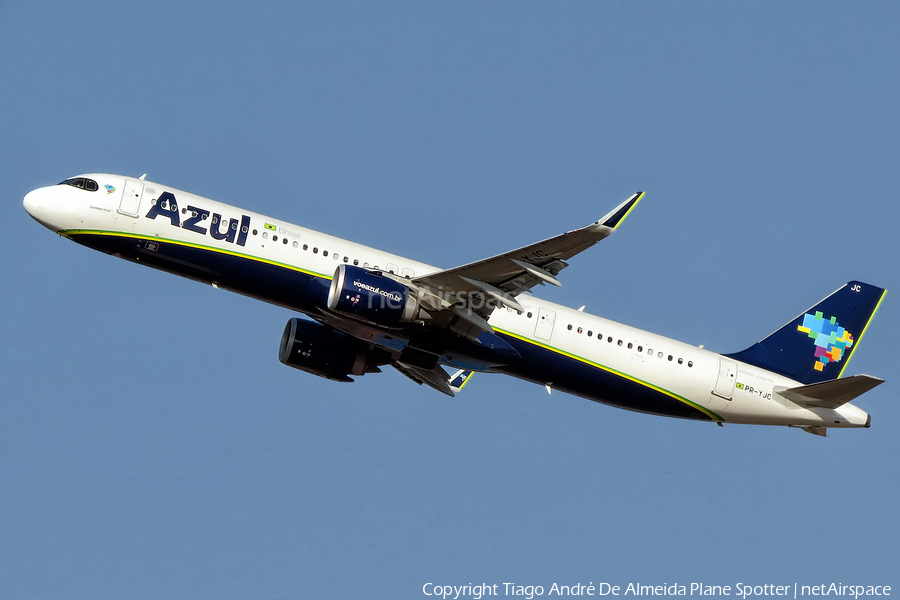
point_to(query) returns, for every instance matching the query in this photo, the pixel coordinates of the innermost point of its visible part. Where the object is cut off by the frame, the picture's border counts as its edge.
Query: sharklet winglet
(618, 214)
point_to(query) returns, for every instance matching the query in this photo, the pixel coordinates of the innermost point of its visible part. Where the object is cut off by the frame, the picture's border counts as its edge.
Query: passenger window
(570, 328)
(670, 358)
(590, 333)
(315, 250)
(265, 235)
(630, 345)
(295, 244)
(690, 363)
(529, 315)
(355, 262)
(580, 330)
(680, 361)
(660, 355)
(620, 342)
(324, 252)
(285, 241)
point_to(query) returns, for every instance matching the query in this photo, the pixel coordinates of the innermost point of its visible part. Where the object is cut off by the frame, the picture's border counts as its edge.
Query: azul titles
(233, 232)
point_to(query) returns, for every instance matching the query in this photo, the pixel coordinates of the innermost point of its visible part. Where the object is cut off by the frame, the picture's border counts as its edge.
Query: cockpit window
(82, 183)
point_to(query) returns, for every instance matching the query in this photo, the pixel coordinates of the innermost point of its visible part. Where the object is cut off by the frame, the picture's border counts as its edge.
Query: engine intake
(322, 351)
(371, 296)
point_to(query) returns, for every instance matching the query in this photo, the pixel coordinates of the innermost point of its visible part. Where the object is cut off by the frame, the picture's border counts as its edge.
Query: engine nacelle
(371, 296)
(322, 351)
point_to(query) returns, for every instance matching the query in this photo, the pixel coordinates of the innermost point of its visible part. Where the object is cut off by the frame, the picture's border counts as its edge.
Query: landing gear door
(726, 380)
(544, 328)
(130, 203)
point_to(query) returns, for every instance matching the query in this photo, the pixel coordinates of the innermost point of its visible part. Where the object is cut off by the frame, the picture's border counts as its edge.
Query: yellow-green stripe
(859, 339)
(673, 395)
(628, 212)
(709, 413)
(74, 232)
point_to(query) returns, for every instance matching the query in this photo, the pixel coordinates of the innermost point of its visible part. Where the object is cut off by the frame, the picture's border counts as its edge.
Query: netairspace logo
(740, 590)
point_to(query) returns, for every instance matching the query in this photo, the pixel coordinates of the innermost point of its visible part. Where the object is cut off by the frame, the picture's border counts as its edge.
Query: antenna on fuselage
(142, 176)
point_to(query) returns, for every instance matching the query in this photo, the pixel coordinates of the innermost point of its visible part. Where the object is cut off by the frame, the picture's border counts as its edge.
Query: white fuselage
(723, 389)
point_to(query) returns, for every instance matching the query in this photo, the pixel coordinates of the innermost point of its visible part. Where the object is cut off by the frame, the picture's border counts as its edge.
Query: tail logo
(831, 339)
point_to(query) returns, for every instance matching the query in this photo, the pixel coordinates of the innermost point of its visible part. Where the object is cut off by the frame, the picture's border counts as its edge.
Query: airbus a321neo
(369, 308)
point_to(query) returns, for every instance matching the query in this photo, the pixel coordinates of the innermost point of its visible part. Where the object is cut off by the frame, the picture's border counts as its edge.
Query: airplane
(368, 309)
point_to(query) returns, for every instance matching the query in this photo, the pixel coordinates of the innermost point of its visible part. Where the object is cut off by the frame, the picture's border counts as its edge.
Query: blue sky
(152, 446)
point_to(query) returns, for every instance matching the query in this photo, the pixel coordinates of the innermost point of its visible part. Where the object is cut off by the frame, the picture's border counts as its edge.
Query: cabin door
(545, 321)
(131, 197)
(726, 380)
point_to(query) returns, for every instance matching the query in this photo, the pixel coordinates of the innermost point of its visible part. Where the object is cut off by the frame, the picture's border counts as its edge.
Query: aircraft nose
(40, 205)
(32, 203)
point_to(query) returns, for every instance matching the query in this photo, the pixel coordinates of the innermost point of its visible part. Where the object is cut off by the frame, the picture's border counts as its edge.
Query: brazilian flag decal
(271, 227)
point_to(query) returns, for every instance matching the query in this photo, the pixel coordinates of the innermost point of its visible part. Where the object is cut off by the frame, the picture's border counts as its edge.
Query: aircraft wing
(494, 281)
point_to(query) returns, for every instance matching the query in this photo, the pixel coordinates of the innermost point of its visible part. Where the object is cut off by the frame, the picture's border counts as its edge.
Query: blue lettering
(230, 231)
(197, 214)
(167, 207)
(245, 227)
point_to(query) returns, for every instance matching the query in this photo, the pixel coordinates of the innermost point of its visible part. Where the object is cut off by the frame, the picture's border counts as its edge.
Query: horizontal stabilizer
(816, 430)
(436, 377)
(459, 380)
(832, 393)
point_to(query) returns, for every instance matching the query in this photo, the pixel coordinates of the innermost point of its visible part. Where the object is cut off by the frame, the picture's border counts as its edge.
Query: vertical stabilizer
(817, 345)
